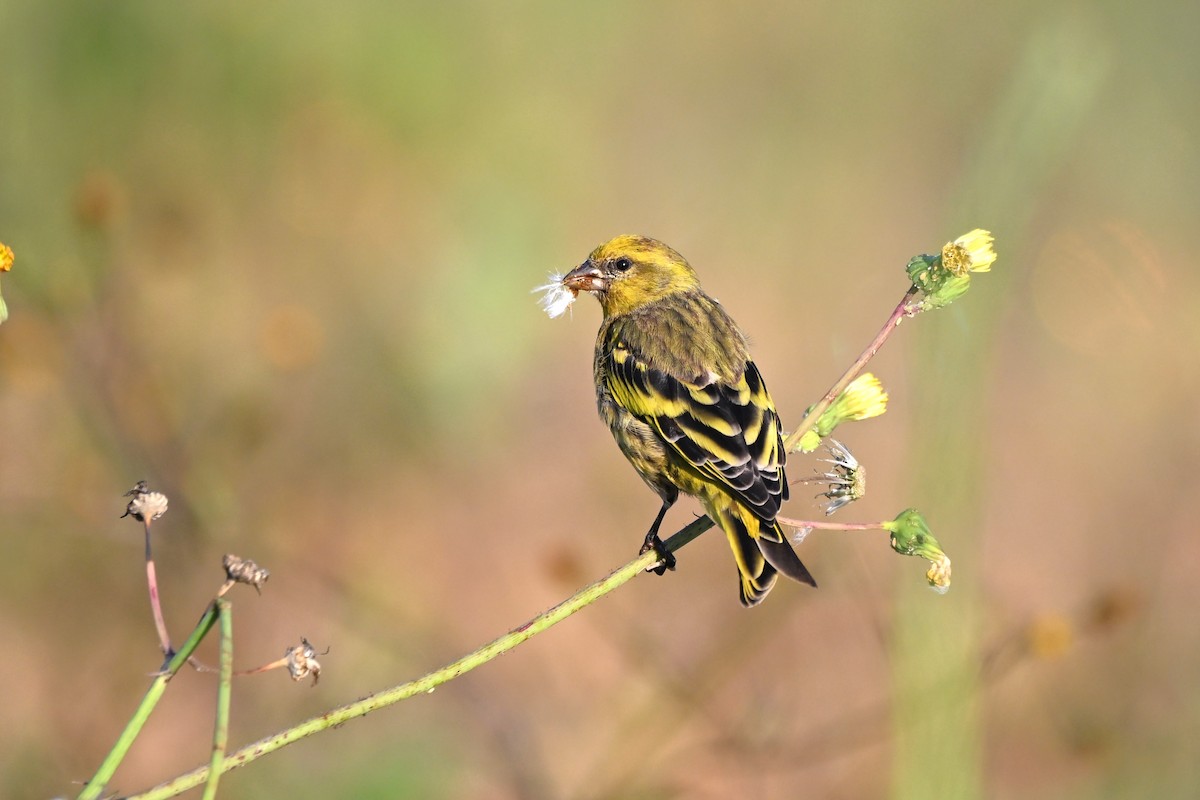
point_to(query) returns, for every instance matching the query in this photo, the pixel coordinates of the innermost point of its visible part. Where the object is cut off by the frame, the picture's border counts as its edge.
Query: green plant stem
(95, 787)
(436, 678)
(224, 690)
(898, 315)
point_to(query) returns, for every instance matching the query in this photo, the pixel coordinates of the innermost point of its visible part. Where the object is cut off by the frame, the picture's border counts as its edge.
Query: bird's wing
(728, 431)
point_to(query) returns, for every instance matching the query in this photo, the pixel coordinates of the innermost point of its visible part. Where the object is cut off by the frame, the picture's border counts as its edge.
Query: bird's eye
(623, 264)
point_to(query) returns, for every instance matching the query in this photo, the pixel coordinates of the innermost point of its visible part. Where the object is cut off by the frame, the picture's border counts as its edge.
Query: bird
(688, 408)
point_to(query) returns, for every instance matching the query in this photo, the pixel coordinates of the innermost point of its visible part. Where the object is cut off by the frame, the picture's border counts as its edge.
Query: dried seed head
(145, 505)
(847, 480)
(243, 570)
(302, 660)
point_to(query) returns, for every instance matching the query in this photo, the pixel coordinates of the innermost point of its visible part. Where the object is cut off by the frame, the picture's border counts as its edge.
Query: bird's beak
(585, 278)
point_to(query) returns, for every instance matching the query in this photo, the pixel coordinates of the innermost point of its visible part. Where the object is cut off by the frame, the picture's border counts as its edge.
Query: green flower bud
(949, 289)
(912, 537)
(944, 278)
(922, 271)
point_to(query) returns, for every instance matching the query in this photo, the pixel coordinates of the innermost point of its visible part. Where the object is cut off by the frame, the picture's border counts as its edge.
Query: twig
(902, 310)
(436, 678)
(830, 526)
(160, 624)
(224, 690)
(95, 786)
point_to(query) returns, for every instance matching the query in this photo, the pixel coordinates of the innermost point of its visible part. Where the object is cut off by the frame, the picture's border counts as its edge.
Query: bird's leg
(666, 559)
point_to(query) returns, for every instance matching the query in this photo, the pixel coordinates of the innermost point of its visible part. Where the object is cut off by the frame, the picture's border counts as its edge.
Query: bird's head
(628, 272)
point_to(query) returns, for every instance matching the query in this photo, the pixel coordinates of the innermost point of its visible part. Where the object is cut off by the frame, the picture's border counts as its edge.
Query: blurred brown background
(276, 260)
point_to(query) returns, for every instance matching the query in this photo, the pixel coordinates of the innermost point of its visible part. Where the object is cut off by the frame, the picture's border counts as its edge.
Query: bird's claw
(666, 559)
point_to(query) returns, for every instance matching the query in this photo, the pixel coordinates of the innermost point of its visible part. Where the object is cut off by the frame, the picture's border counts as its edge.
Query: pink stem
(830, 526)
(164, 639)
(898, 314)
(264, 668)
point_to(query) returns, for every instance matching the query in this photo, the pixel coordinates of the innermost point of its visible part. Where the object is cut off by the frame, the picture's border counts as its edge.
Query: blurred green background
(276, 260)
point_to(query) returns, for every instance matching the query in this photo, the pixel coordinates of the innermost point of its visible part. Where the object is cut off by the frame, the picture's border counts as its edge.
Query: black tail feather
(755, 575)
(782, 557)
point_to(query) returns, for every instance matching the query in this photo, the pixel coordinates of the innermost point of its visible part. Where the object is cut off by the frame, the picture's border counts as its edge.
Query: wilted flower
(847, 481)
(557, 298)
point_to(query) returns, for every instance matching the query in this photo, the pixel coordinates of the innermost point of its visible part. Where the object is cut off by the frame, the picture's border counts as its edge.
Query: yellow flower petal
(864, 398)
(971, 252)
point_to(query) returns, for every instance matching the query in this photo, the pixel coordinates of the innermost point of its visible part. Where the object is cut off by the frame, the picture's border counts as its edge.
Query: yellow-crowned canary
(687, 405)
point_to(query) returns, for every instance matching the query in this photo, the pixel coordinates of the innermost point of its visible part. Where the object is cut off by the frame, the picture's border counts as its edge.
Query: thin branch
(824, 525)
(96, 785)
(224, 691)
(436, 678)
(898, 315)
(160, 624)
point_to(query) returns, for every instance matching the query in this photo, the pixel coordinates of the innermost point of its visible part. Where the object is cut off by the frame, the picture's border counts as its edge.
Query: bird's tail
(760, 554)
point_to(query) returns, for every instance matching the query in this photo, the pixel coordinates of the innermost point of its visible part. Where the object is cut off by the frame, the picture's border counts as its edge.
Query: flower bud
(911, 537)
(944, 278)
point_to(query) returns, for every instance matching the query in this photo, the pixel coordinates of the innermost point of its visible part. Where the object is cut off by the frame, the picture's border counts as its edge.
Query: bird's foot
(666, 559)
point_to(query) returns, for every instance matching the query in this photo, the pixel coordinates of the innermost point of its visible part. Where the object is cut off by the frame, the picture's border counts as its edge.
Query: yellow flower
(971, 252)
(943, 278)
(862, 399)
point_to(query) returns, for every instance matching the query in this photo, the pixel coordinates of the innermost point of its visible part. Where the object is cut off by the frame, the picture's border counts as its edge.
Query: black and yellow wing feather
(727, 431)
